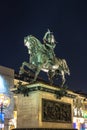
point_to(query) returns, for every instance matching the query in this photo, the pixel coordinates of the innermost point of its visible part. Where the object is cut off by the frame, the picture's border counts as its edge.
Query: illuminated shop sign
(85, 114)
(1, 120)
(6, 105)
(4, 101)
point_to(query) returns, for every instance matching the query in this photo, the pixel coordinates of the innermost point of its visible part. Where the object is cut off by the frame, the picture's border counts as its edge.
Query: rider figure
(49, 42)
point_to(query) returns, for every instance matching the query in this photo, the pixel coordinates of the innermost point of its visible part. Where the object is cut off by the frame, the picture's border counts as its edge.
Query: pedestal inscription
(54, 111)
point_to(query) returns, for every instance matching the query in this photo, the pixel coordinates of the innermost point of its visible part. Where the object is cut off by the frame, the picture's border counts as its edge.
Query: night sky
(67, 19)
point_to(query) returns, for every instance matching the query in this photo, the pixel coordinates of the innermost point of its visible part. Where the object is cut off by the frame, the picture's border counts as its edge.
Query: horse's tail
(65, 65)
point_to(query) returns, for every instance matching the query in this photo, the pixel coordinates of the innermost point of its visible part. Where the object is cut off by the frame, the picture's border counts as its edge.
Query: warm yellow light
(4, 100)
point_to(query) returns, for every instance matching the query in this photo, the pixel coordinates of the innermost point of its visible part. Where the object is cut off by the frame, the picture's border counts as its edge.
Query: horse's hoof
(20, 73)
(33, 81)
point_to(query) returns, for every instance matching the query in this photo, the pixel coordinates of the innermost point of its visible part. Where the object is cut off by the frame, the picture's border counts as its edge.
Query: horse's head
(32, 43)
(29, 42)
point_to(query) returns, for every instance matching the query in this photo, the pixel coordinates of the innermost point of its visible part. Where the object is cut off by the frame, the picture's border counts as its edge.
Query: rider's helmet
(49, 37)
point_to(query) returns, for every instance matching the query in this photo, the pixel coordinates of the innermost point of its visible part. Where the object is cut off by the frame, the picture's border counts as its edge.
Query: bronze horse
(39, 60)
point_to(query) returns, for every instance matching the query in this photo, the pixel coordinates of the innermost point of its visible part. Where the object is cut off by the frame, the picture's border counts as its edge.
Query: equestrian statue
(43, 58)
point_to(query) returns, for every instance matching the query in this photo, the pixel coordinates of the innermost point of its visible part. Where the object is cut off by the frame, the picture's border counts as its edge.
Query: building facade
(12, 81)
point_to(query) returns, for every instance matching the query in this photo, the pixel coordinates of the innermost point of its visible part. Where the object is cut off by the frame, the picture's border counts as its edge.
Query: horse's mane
(37, 43)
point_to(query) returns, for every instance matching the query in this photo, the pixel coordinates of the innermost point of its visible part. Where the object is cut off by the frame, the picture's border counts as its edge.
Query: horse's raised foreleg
(28, 65)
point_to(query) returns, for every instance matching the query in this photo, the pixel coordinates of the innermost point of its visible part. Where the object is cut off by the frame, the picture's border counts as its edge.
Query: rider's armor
(49, 42)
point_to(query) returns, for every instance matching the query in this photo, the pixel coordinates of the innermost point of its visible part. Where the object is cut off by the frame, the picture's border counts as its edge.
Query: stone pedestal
(42, 110)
